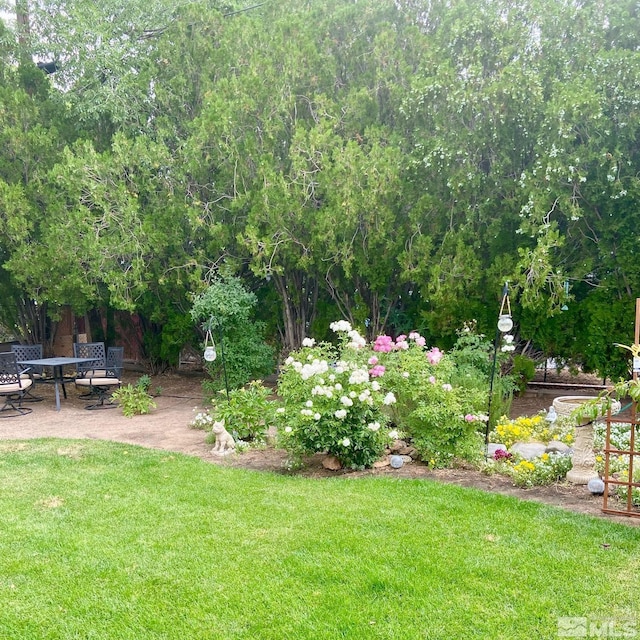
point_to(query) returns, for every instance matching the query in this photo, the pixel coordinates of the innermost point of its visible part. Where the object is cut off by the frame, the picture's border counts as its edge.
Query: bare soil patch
(167, 427)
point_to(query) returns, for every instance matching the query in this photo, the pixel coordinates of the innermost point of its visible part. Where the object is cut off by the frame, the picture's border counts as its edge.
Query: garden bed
(167, 428)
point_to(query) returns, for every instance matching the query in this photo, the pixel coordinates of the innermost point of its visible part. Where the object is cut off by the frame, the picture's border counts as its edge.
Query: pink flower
(432, 379)
(420, 341)
(470, 417)
(402, 345)
(383, 344)
(401, 338)
(373, 360)
(377, 371)
(434, 355)
(447, 387)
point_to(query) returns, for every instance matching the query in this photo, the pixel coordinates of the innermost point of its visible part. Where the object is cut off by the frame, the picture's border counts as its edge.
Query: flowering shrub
(202, 420)
(332, 404)
(546, 469)
(533, 428)
(442, 417)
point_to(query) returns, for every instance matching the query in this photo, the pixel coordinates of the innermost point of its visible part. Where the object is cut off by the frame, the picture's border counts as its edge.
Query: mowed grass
(103, 540)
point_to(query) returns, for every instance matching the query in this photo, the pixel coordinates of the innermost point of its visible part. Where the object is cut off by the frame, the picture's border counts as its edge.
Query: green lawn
(102, 540)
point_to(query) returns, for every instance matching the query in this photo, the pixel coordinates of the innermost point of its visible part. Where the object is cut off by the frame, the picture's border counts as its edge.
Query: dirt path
(167, 428)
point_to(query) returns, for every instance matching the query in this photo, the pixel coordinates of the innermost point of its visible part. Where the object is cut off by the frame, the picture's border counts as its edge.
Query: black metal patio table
(56, 365)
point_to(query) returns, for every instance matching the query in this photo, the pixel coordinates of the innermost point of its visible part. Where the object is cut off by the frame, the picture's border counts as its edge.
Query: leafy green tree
(226, 309)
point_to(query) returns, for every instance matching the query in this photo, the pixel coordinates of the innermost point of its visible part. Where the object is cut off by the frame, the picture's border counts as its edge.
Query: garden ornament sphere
(210, 354)
(396, 462)
(596, 486)
(505, 323)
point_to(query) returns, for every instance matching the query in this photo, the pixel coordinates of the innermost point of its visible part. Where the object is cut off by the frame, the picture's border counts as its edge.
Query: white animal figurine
(225, 444)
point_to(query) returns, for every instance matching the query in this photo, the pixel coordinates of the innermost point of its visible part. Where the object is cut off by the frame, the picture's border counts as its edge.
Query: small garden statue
(225, 444)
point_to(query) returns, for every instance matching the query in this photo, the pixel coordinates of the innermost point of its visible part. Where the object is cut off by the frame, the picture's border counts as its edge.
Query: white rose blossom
(308, 342)
(340, 414)
(389, 399)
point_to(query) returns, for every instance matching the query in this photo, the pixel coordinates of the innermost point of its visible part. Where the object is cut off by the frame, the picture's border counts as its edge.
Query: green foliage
(547, 469)
(522, 371)
(477, 361)
(247, 413)
(330, 405)
(440, 406)
(135, 399)
(227, 309)
(397, 171)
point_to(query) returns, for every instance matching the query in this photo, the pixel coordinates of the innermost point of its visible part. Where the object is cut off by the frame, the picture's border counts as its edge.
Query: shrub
(547, 469)
(135, 399)
(522, 371)
(331, 404)
(247, 413)
(227, 309)
(439, 404)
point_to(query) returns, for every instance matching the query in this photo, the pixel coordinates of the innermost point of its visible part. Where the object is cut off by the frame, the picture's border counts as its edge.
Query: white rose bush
(331, 403)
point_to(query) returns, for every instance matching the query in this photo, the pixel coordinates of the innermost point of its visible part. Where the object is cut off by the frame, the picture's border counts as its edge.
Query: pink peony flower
(373, 360)
(432, 379)
(377, 371)
(470, 417)
(383, 344)
(434, 355)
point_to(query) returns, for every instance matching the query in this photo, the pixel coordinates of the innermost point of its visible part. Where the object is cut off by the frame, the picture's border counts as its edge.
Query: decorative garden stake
(505, 324)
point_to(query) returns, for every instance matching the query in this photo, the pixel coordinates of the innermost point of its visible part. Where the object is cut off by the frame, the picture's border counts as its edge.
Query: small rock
(408, 451)
(396, 462)
(555, 446)
(529, 450)
(397, 446)
(332, 463)
(379, 464)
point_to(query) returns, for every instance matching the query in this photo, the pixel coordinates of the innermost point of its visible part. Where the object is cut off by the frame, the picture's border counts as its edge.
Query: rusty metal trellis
(628, 483)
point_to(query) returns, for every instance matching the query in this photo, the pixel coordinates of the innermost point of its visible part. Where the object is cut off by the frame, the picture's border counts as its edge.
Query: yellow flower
(544, 456)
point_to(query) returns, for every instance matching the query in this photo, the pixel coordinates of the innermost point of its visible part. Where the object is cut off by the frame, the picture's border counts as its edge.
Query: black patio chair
(96, 367)
(34, 372)
(13, 386)
(101, 382)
